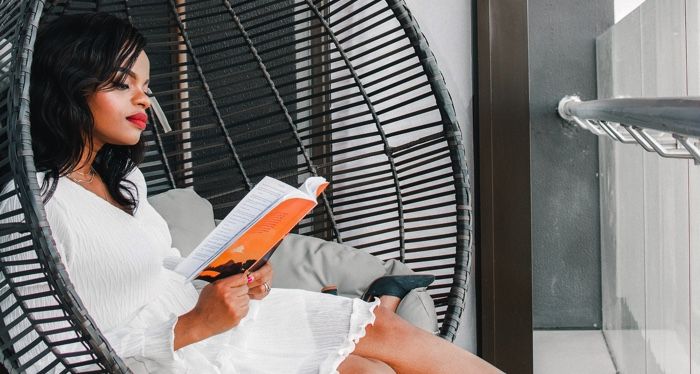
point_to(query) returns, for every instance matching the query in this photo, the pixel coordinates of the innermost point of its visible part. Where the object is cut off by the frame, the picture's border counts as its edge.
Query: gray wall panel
(649, 203)
(565, 192)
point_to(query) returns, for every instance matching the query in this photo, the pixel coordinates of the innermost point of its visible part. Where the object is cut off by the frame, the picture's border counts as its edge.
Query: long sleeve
(153, 343)
(173, 259)
(141, 338)
(171, 262)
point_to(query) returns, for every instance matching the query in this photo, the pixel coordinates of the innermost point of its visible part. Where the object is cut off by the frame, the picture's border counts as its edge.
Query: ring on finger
(267, 287)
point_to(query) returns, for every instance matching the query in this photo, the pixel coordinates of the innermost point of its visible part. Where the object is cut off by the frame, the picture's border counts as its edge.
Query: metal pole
(679, 115)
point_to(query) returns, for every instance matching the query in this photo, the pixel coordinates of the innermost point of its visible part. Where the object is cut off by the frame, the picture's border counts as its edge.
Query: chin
(124, 141)
(133, 142)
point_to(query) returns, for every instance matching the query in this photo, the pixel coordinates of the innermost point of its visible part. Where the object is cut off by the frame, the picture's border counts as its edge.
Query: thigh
(355, 364)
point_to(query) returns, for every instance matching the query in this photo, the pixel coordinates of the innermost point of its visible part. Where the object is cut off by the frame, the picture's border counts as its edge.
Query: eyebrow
(131, 74)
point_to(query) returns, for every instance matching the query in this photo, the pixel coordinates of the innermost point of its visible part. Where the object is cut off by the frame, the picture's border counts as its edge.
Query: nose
(141, 99)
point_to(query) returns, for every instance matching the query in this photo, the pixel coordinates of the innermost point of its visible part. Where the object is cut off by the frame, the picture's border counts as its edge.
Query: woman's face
(119, 111)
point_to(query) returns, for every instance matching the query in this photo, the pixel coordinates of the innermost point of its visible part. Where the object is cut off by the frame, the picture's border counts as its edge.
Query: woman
(89, 94)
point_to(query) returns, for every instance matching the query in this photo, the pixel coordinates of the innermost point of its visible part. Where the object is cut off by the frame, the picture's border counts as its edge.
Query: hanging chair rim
(25, 177)
(21, 157)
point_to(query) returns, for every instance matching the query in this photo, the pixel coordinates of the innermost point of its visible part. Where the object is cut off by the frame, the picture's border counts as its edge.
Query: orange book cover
(266, 215)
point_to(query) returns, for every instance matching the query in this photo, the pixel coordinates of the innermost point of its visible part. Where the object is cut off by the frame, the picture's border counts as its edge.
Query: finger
(244, 310)
(261, 277)
(261, 289)
(241, 310)
(260, 286)
(243, 300)
(264, 272)
(238, 291)
(234, 280)
(259, 282)
(230, 289)
(257, 293)
(240, 302)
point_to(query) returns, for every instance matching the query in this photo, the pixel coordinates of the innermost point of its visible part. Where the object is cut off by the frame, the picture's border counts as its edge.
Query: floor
(571, 352)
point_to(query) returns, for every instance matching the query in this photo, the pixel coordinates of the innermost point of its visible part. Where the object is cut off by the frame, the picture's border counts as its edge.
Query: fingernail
(251, 278)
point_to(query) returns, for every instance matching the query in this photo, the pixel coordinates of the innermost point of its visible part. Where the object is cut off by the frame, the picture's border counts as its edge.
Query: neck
(84, 171)
(84, 167)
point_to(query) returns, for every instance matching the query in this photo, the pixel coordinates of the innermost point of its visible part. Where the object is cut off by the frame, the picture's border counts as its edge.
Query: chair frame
(23, 173)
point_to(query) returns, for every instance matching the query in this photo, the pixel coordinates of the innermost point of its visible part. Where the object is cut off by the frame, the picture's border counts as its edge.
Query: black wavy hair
(74, 57)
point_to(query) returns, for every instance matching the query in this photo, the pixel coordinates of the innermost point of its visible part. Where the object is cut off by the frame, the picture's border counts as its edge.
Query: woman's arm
(220, 307)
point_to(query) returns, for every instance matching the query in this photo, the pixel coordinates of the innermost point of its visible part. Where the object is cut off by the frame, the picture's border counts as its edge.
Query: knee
(380, 368)
(355, 364)
(372, 366)
(387, 323)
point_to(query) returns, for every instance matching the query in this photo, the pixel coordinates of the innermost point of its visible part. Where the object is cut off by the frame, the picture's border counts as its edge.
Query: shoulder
(136, 176)
(138, 179)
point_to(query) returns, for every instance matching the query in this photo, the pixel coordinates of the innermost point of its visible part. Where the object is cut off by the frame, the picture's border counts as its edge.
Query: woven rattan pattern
(344, 89)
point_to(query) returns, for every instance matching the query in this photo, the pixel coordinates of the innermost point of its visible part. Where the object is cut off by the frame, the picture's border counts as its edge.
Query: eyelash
(123, 86)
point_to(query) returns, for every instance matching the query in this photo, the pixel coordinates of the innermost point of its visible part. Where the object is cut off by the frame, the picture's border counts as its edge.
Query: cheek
(109, 111)
(106, 111)
(103, 106)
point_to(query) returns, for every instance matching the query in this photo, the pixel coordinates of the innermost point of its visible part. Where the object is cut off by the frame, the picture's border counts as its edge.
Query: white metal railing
(667, 126)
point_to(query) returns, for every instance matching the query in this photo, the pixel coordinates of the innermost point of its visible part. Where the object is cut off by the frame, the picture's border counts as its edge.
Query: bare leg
(355, 364)
(408, 349)
(389, 302)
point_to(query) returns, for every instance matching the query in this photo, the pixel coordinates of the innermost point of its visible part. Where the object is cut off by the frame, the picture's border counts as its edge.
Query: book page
(253, 246)
(313, 186)
(254, 205)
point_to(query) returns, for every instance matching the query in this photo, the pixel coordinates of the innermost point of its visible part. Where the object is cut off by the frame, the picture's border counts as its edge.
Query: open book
(246, 238)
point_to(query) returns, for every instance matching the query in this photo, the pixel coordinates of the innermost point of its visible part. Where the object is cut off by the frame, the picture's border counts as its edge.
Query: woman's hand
(259, 287)
(221, 307)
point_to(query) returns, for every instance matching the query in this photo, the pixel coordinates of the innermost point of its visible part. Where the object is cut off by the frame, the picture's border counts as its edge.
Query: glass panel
(622, 228)
(693, 70)
(665, 198)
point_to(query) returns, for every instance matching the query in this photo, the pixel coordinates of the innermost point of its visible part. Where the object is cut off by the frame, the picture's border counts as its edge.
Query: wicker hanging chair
(289, 88)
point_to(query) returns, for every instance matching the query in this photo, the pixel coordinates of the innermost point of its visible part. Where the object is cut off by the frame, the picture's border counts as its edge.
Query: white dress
(116, 263)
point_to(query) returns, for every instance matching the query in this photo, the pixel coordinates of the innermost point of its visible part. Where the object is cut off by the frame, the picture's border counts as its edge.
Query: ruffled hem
(360, 318)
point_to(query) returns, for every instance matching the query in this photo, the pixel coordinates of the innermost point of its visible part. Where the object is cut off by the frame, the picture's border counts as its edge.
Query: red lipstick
(138, 119)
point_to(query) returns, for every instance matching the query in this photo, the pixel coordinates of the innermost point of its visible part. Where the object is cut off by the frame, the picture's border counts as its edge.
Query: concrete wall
(650, 206)
(564, 164)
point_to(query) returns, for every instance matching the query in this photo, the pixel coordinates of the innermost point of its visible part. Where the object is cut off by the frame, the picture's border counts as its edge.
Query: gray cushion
(190, 217)
(310, 263)
(300, 261)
